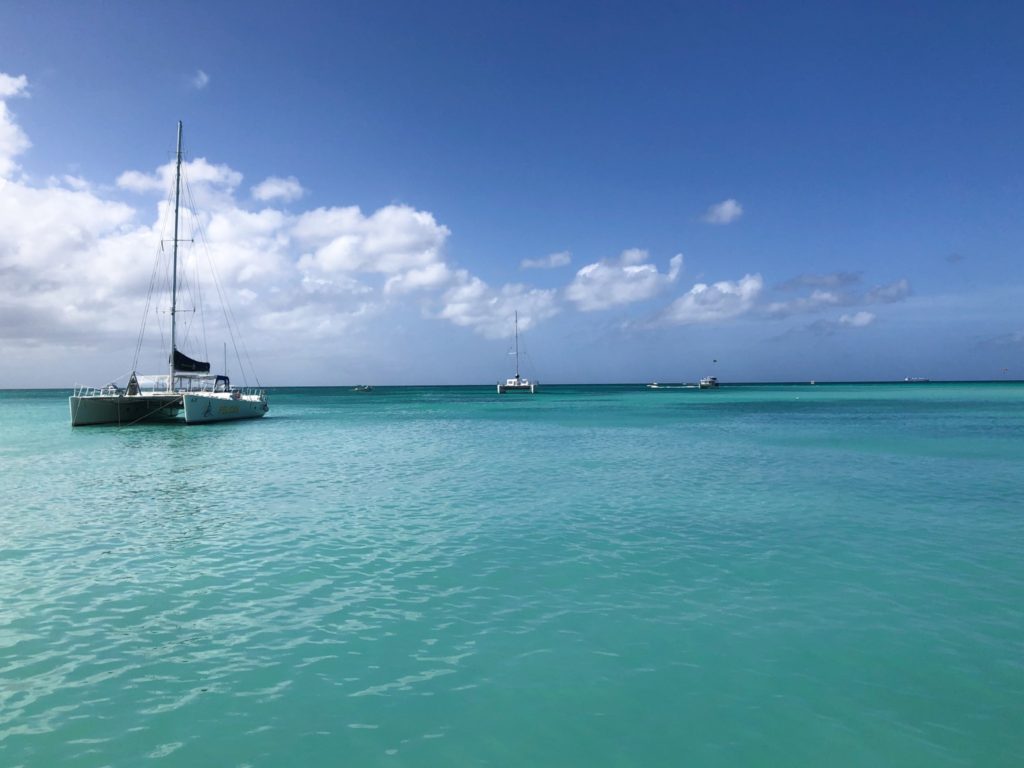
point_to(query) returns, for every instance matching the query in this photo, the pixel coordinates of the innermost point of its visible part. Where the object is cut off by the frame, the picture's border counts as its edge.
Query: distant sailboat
(188, 387)
(517, 383)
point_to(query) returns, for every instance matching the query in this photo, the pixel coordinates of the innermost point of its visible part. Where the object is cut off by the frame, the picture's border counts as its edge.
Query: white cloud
(473, 304)
(250, 248)
(724, 212)
(13, 140)
(713, 303)
(77, 183)
(64, 255)
(857, 320)
(430, 276)
(551, 261)
(197, 172)
(12, 86)
(274, 188)
(315, 322)
(200, 80)
(888, 294)
(843, 292)
(816, 300)
(612, 282)
(830, 280)
(137, 181)
(391, 240)
(75, 267)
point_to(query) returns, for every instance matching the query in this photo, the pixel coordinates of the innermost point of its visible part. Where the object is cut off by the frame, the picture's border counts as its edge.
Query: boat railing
(256, 392)
(110, 389)
(154, 386)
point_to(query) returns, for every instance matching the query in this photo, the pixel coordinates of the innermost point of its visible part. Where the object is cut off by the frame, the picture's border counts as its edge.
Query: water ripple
(587, 578)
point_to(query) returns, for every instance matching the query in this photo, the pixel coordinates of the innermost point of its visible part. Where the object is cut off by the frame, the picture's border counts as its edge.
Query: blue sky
(841, 180)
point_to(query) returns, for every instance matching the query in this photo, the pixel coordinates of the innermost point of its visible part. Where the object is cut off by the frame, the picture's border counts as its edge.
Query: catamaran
(517, 383)
(187, 389)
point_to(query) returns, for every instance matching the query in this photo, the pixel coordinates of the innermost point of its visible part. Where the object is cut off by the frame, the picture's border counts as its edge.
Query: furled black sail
(186, 364)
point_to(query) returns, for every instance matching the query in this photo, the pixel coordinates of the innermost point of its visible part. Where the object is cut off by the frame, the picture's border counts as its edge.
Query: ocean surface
(762, 575)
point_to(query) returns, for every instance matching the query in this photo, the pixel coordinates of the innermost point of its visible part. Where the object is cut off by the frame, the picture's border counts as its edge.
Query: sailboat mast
(517, 344)
(174, 271)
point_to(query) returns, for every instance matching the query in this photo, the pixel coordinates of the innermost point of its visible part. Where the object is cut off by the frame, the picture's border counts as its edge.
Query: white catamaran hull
(209, 407)
(87, 410)
(503, 388)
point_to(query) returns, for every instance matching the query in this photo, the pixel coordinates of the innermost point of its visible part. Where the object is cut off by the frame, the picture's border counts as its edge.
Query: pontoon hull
(88, 410)
(503, 388)
(208, 408)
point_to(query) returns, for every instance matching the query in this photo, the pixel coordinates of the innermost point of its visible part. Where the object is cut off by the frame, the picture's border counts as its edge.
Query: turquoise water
(591, 576)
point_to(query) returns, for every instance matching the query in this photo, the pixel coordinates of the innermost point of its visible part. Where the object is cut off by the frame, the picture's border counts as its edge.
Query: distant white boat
(188, 387)
(656, 385)
(517, 383)
(708, 382)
